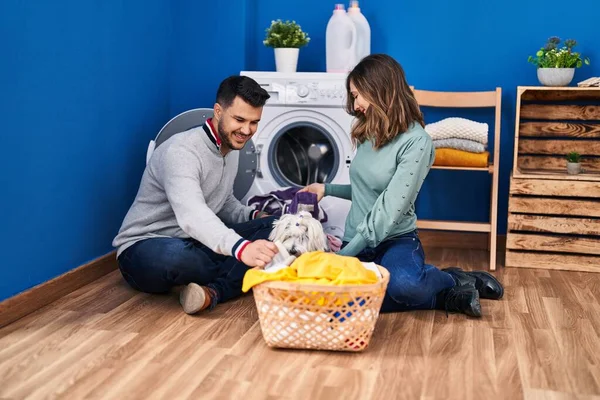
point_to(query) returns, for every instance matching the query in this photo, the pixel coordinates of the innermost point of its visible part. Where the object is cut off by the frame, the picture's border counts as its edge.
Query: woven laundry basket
(320, 317)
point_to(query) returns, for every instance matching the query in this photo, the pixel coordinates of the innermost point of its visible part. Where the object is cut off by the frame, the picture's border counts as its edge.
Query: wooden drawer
(554, 224)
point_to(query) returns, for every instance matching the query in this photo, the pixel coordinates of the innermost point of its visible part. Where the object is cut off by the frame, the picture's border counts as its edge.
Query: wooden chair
(489, 99)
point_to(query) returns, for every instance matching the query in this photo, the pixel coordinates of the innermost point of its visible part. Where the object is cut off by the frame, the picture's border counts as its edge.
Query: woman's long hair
(393, 108)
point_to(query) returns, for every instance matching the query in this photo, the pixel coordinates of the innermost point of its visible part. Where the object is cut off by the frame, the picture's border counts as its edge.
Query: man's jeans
(156, 265)
(413, 284)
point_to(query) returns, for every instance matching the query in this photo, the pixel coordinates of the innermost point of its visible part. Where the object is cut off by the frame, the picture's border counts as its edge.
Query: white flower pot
(573, 168)
(555, 76)
(286, 59)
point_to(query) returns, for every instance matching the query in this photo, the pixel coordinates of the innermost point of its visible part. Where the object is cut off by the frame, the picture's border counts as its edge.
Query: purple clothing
(288, 201)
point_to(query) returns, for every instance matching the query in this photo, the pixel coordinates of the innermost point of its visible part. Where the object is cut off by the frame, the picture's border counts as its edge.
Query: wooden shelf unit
(554, 218)
(552, 121)
(485, 99)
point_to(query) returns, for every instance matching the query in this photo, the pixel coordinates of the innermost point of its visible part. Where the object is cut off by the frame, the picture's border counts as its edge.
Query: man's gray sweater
(187, 191)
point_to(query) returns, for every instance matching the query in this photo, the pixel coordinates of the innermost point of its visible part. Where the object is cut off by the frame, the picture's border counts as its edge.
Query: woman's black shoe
(462, 299)
(486, 284)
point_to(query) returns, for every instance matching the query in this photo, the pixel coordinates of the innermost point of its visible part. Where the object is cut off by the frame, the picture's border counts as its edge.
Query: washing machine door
(295, 148)
(303, 153)
(183, 122)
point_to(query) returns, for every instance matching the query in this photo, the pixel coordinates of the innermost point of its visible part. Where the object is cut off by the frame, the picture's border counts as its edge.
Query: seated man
(185, 227)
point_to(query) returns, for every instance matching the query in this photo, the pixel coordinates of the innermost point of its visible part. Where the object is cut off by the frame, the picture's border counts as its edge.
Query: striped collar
(211, 133)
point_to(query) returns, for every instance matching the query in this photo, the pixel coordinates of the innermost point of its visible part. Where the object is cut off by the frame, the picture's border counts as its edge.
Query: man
(185, 227)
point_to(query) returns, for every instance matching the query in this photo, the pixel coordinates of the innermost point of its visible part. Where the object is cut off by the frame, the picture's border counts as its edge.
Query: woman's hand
(316, 188)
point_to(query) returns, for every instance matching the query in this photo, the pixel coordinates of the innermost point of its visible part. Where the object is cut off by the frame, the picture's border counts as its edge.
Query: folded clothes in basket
(460, 158)
(317, 267)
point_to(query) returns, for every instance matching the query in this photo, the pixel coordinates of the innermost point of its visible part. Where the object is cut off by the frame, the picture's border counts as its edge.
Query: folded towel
(459, 128)
(460, 144)
(460, 158)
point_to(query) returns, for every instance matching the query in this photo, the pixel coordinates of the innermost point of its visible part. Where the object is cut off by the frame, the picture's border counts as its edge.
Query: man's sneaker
(462, 299)
(486, 284)
(194, 298)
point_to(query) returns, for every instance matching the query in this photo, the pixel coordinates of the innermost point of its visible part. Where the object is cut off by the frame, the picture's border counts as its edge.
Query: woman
(394, 155)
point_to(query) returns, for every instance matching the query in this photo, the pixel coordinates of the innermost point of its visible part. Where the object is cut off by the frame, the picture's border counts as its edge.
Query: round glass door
(303, 153)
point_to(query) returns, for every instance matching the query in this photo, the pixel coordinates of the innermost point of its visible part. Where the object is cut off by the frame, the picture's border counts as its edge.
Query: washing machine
(303, 137)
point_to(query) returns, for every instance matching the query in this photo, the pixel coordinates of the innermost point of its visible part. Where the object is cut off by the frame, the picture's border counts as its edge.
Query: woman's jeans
(413, 284)
(156, 265)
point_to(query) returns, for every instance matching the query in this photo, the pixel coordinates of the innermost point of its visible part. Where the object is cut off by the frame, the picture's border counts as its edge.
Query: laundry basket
(320, 317)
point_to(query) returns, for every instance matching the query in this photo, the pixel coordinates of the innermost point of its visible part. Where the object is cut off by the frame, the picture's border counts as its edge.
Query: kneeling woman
(393, 157)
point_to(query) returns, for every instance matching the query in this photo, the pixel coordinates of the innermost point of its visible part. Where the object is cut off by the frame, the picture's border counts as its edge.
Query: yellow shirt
(316, 267)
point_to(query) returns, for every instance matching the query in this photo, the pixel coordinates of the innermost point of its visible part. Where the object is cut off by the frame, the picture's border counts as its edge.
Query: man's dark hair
(247, 88)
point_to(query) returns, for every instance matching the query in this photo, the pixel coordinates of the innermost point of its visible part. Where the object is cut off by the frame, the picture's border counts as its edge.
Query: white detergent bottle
(340, 44)
(363, 31)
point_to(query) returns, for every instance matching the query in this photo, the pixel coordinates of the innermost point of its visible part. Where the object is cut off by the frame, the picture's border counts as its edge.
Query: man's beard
(226, 137)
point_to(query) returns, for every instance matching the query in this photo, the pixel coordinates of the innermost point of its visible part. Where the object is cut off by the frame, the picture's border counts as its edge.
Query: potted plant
(286, 38)
(573, 163)
(556, 66)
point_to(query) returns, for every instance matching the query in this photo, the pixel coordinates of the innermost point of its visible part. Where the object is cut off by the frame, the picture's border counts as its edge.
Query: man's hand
(259, 253)
(316, 188)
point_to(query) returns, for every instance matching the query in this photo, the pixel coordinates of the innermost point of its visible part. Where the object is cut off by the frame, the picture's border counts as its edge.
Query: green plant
(285, 34)
(551, 56)
(573, 157)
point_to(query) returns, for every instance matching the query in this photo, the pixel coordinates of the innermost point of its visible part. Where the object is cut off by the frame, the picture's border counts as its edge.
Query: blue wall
(85, 85)
(457, 45)
(206, 33)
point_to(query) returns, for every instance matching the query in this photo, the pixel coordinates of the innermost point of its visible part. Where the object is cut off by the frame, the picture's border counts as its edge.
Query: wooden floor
(107, 341)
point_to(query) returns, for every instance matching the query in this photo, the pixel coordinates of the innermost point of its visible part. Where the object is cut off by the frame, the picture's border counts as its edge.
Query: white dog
(299, 233)
(294, 235)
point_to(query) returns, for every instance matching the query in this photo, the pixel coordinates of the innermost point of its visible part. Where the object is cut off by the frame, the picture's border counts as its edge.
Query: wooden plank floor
(108, 341)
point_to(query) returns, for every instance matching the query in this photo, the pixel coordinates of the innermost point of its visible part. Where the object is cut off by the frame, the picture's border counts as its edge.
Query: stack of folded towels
(459, 142)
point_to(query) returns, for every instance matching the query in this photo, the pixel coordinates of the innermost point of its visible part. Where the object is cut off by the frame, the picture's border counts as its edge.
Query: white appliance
(303, 137)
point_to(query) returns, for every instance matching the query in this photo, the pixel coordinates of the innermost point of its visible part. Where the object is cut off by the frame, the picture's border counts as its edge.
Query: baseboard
(460, 240)
(45, 293)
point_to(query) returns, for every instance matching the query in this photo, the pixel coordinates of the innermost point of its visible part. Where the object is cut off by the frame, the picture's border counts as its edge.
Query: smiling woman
(381, 114)
(393, 157)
